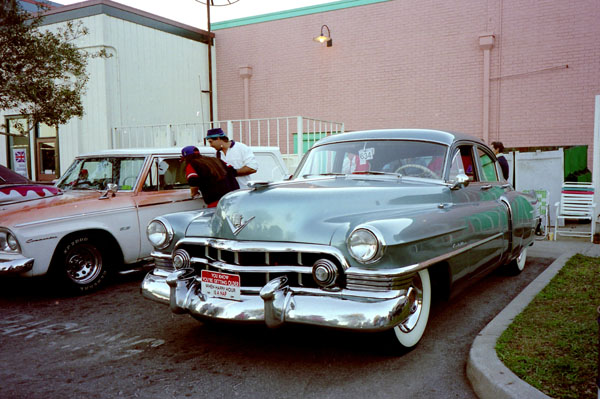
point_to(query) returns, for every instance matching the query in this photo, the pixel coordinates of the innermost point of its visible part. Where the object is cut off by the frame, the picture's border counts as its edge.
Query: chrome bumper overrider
(278, 303)
(15, 264)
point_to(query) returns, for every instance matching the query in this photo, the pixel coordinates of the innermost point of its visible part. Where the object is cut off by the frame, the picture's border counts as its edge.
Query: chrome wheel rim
(521, 259)
(83, 263)
(414, 301)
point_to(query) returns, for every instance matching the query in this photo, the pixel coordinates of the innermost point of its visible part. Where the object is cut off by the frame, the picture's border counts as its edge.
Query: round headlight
(364, 246)
(12, 243)
(159, 234)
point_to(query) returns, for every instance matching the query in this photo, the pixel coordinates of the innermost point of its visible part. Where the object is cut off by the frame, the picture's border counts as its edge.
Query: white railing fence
(292, 134)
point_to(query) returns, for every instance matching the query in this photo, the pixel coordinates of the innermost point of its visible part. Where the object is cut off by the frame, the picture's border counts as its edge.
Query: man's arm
(250, 162)
(245, 170)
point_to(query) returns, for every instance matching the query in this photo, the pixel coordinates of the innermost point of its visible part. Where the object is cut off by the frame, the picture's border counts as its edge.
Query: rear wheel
(410, 331)
(81, 264)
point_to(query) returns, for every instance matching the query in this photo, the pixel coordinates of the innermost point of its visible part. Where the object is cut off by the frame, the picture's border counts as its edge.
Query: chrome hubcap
(83, 264)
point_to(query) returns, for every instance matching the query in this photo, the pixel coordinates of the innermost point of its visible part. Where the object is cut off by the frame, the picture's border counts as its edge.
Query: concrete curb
(490, 378)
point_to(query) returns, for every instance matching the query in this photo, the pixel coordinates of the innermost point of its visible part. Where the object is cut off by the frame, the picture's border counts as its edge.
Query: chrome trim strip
(79, 215)
(252, 269)
(265, 246)
(356, 273)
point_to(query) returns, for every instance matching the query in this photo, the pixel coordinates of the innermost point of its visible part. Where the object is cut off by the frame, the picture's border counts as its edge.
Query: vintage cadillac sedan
(98, 223)
(370, 225)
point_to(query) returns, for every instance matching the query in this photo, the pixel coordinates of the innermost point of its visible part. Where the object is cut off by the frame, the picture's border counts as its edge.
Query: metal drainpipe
(486, 42)
(246, 73)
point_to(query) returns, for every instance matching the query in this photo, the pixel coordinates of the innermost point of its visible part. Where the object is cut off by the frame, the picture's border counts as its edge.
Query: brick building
(414, 63)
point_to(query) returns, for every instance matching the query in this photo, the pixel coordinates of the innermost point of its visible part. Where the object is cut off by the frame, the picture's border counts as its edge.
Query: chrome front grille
(257, 263)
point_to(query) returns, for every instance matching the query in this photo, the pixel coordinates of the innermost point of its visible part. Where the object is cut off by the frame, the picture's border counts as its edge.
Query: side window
(488, 168)
(166, 174)
(463, 162)
(129, 172)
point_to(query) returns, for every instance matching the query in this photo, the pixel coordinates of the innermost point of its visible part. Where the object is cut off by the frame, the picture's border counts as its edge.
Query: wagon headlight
(8, 242)
(365, 245)
(159, 233)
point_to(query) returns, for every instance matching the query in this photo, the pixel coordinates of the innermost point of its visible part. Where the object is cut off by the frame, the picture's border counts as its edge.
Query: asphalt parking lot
(114, 343)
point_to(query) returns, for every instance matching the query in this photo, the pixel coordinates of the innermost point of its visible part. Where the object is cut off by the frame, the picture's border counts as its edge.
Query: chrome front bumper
(15, 264)
(277, 303)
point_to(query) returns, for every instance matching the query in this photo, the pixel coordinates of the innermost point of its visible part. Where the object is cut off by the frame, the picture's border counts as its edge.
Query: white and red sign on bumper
(220, 285)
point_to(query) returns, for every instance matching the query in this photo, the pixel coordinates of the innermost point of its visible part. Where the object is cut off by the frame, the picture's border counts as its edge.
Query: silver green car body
(347, 243)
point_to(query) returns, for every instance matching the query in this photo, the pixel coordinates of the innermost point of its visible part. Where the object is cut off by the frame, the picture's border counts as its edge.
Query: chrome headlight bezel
(9, 242)
(366, 244)
(160, 228)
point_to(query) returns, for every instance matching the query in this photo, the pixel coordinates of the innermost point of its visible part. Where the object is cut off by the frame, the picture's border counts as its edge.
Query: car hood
(312, 211)
(20, 192)
(69, 203)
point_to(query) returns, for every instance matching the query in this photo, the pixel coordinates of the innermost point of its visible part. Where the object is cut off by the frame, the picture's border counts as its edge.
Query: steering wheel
(427, 172)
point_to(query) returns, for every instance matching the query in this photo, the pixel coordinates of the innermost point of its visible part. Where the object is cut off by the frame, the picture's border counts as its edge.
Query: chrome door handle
(486, 187)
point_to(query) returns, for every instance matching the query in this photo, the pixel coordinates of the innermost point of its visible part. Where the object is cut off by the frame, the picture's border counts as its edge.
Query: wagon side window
(166, 174)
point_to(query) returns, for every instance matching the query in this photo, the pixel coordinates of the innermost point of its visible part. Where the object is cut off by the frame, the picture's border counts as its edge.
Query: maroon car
(14, 187)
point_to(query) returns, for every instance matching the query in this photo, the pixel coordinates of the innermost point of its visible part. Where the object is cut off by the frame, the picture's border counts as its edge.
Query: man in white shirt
(236, 154)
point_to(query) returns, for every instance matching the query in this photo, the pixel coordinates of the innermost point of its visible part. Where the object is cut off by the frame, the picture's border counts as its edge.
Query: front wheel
(410, 331)
(517, 265)
(81, 264)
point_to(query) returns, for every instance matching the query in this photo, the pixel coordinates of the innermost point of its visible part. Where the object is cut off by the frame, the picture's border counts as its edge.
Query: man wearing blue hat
(234, 153)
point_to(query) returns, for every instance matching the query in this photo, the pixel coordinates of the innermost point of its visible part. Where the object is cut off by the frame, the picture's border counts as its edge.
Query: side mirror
(461, 181)
(111, 191)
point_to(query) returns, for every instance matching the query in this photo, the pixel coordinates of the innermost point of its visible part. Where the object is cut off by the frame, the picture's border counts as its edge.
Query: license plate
(220, 285)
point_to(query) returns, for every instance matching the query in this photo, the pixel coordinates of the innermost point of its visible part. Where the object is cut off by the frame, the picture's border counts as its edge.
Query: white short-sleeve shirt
(238, 155)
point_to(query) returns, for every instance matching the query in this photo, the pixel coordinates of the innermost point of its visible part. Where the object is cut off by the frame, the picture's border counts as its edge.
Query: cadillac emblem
(237, 223)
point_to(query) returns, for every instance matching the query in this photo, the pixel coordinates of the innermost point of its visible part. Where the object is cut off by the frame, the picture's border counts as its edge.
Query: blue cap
(189, 150)
(215, 133)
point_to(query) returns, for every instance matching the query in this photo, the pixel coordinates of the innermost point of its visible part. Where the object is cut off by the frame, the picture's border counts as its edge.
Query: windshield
(403, 157)
(96, 173)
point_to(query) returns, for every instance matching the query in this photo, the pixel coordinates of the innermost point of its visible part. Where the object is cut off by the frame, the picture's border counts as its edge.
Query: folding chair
(543, 198)
(576, 202)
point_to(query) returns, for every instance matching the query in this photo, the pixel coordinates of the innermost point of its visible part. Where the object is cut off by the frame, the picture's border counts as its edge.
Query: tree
(42, 74)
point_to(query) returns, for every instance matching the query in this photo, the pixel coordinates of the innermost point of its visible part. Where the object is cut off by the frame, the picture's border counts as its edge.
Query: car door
(483, 214)
(163, 189)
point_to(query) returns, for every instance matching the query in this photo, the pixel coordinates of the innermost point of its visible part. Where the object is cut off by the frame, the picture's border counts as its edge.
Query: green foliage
(553, 343)
(42, 74)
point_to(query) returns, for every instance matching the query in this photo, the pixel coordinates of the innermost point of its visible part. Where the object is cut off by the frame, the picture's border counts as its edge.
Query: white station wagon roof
(124, 152)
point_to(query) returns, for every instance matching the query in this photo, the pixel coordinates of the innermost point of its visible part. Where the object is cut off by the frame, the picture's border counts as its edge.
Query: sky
(193, 13)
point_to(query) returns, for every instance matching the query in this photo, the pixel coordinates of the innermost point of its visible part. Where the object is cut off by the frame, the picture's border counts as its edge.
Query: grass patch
(553, 344)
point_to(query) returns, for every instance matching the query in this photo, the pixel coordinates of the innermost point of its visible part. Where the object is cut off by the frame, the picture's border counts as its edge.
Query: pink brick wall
(417, 63)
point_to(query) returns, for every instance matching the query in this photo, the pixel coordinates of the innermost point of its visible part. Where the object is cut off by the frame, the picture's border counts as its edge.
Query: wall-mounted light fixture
(322, 38)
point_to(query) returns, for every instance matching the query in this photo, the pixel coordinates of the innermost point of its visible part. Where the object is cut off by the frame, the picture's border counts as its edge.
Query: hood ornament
(237, 223)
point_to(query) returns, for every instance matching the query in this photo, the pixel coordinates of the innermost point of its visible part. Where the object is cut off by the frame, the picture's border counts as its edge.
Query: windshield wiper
(376, 172)
(323, 174)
